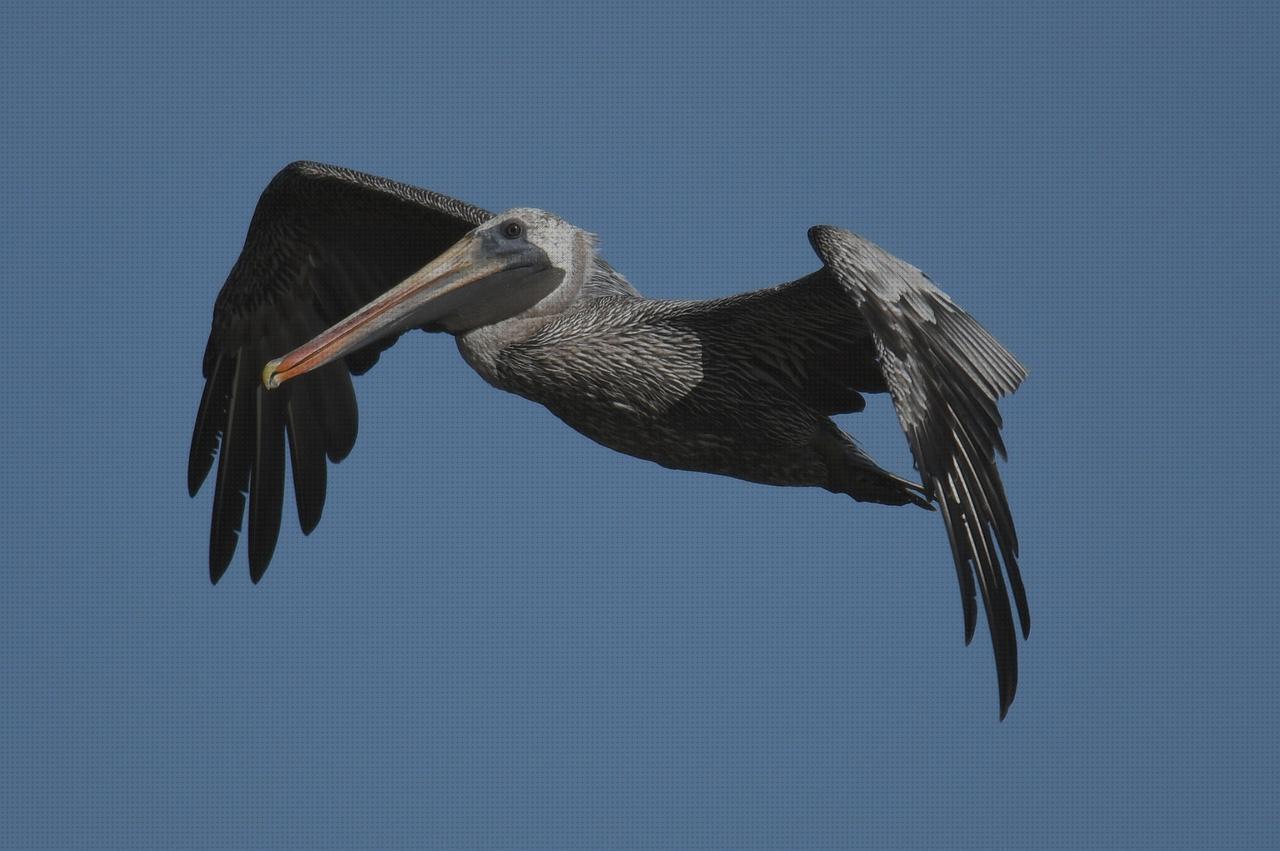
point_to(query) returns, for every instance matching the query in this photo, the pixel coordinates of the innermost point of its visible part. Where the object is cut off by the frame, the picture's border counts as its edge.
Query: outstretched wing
(323, 242)
(945, 373)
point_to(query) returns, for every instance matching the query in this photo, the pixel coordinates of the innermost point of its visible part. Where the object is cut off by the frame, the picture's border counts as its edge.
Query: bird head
(523, 263)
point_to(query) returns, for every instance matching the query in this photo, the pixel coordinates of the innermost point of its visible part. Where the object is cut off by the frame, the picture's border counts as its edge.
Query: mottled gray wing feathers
(945, 373)
(323, 242)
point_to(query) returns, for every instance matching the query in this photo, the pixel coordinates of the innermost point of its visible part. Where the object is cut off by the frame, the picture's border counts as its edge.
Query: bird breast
(611, 357)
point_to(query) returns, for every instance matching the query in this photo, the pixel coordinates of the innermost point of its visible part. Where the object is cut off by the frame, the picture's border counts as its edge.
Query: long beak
(418, 300)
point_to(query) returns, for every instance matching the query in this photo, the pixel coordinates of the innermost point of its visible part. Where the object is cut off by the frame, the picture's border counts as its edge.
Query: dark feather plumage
(304, 423)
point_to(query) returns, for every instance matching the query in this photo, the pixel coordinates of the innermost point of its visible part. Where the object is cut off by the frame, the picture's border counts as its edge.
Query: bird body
(339, 264)
(716, 386)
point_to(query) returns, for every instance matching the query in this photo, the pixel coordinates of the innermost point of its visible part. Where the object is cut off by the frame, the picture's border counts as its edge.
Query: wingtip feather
(945, 373)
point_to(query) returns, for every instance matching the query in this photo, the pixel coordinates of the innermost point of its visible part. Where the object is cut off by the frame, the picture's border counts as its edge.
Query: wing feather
(204, 437)
(305, 427)
(341, 416)
(235, 456)
(945, 373)
(266, 491)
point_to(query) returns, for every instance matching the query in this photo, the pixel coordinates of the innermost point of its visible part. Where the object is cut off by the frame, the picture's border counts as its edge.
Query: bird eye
(512, 229)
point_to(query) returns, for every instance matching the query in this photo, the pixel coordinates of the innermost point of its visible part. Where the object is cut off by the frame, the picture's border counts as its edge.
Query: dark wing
(323, 242)
(945, 373)
(806, 338)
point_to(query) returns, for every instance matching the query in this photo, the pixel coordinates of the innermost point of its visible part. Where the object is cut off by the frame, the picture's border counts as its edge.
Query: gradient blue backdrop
(505, 636)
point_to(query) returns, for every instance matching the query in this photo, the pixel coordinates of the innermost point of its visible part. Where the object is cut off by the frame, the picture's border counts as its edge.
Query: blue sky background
(504, 636)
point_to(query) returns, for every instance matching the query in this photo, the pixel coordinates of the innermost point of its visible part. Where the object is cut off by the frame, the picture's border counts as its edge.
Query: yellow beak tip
(269, 378)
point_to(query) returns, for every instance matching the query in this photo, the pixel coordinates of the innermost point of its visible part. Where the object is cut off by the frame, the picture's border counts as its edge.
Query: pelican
(338, 264)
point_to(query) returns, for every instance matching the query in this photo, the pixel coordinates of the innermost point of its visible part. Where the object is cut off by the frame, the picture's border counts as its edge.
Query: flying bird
(338, 264)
